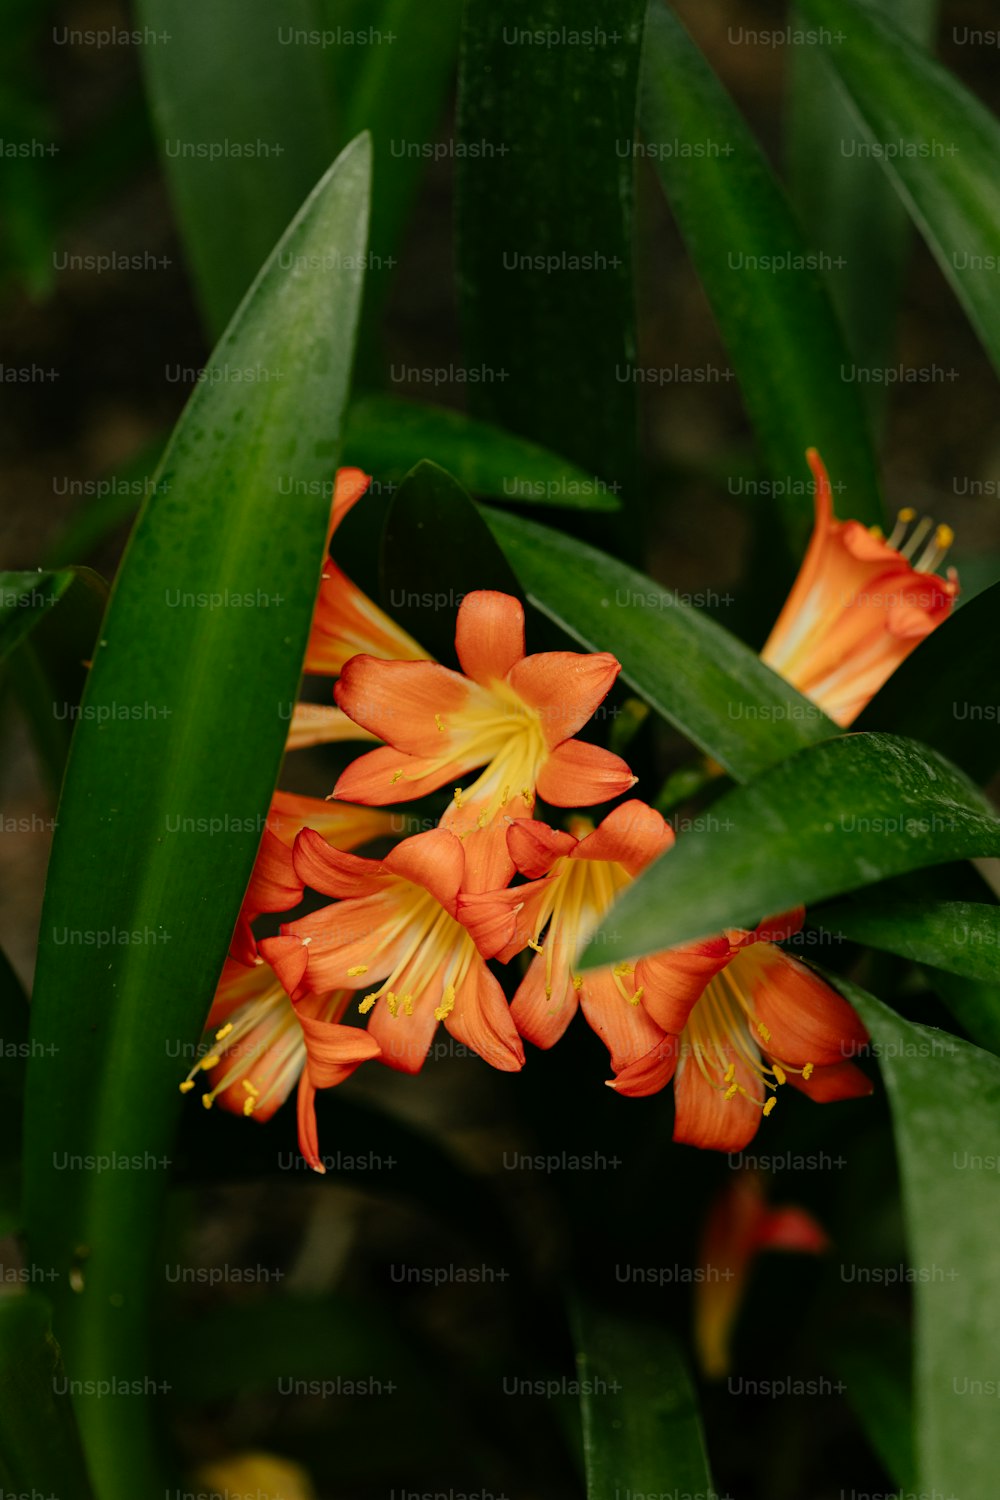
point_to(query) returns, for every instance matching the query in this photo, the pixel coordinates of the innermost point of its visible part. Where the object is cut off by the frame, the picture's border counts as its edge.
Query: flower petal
(405, 703)
(489, 635)
(334, 872)
(577, 774)
(274, 886)
(386, 775)
(806, 1019)
(500, 922)
(649, 1073)
(839, 1081)
(306, 1118)
(632, 835)
(341, 824)
(322, 724)
(625, 1029)
(481, 1020)
(564, 688)
(535, 847)
(346, 622)
(349, 486)
(675, 980)
(434, 860)
(350, 944)
(334, 1051)
(705, 1116)
(541, 1012)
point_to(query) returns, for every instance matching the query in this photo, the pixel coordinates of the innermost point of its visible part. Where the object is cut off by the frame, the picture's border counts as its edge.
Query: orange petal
(322, 724)
(349, 486)
(675, 980)
(340, 824)
(632, 835)
(650, 1073)
(346, 622)
(351, 944)
(535, 847)
(405, 703)
(334, 1051)
(625, 1029)
(481, 1020)
(434, 860)
(306, 1115)
(577, 774)
(274, 886)
(386, 775)
(289, 959)
(542, 1012)
(564, 688)
(705, 1117)
(489, 635)
(807, 1020)
(500, 922)
(334, 872)
(838, 1081)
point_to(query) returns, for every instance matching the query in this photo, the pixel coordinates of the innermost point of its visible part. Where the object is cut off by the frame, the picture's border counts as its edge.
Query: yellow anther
(548, 992)
(730, 1073)
(208, 1100)
(483, 818)
(779, 1073)
(770, 1105)
(763, 1031)
(634, 999)
(367, 1003)
(250, 1088)
(528, 795)
(356, 970)
(393, 1003)
(437, 720)
(407, 1005)
(906, 515)
(732, 1091)
(249, 1105)
(187, 1086)
(621, 969)
(457, 794)
(537, 946)
(877, 533)
(220, 1035)
(807, 1071)
(578, 982)
(211, 1061)
(943, 537)
(447, 1004)
(396, 776)
(505, 796)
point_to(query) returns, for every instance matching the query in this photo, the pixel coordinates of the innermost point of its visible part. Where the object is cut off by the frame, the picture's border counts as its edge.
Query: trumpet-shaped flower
(392, 934)
(860, 604)
(573, 879)
(741, 1018)
(274, 885)
(345, 621)
(263, 1045)
(509, 716)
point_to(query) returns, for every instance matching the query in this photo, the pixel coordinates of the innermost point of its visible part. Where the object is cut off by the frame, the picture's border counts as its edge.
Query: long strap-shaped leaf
(547, 109)
(169, 777)
(641, 1427)
(936, 141)
(689, 669)
(945, 1098)
(40, 1452)
(829, 820)
(760, 276)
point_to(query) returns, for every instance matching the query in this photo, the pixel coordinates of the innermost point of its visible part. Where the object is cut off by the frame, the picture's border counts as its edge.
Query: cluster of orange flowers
(408, 939)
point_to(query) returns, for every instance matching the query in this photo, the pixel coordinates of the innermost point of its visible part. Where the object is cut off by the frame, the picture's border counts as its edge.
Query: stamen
(211, 1061)
(187, 1086)
(770, 1104)
(366, 1004)
(903, 519)
(921, 529)
(437, 720)
(807, 1071)
(447, 1004)
(353, 973)
(936, 550)
(220, 1035)
(536, 946)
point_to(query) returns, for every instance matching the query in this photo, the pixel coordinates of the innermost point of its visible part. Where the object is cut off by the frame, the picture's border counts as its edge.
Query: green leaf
(40, 1451)
(849, 208)
(759, 274)
(937, 143)
(244, 129)
(959, 712)
(689, 669)
(545, 225)
(641, 1427)
(436, 548)
(874, 1365)
(960, 936)
(388, 436)
(832, 818)
(183, 728)
(13, 1054)
(25, 599)
(945, 1095)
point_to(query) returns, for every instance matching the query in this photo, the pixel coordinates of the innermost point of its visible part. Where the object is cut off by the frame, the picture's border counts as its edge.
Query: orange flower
(513, 715)
(274, 885)
(742, 1018)
(859, 605)
(346, 621)
(739, 1226)
(394, 926)
(264, 1044)
(584, 872)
